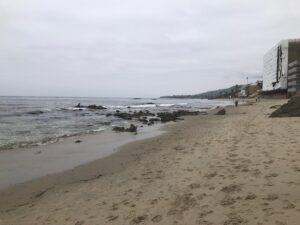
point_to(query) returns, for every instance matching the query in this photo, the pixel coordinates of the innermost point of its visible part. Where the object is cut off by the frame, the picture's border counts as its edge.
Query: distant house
(276, 65)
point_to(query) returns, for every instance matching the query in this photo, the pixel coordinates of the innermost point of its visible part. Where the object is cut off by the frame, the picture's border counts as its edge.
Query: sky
(137, 48)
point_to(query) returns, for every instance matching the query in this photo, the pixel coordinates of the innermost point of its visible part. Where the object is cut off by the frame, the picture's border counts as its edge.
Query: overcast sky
(137, 48)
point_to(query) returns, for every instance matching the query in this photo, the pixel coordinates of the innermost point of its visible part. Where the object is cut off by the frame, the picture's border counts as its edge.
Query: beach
(239, 168)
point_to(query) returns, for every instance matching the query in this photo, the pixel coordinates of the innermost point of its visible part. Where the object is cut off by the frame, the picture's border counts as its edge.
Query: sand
(239, 168)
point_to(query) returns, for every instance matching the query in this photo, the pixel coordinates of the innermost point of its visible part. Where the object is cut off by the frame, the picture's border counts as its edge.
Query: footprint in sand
(250, 196)
(112, 218)
(205, 213)
(234, 219)
(231, 188)
(211, 175)
(81, 222)
(280, 223)
(288, 205)
(194, 186)
(271, 197)
(139, 219)
(157, 218)
(227, 200)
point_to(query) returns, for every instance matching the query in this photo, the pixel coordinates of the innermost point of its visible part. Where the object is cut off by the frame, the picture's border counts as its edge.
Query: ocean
(32, 121)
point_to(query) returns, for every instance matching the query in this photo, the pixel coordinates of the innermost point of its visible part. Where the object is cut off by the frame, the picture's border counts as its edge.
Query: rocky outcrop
(221, 112)
(290, 109)
(129, 116)
(132, 129)
(174, 116)
(94, 107)
(36, 112)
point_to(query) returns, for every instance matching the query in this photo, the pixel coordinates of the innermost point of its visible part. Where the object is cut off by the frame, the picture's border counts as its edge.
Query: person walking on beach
(236, 102)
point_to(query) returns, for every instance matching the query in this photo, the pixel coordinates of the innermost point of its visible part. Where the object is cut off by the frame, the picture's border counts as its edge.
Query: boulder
(99, 107)
(221, 112)
(119, 129)
(290, 109)
(36, 112)
(173, 116)
(132, 129)
(125, 116)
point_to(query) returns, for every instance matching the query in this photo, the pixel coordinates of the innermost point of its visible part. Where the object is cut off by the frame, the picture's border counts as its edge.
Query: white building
(276, 61)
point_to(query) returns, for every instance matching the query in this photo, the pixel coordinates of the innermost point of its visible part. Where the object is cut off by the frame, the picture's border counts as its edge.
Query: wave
(48, 140)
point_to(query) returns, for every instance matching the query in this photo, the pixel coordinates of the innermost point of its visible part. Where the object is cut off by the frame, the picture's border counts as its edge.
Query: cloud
(136, 47)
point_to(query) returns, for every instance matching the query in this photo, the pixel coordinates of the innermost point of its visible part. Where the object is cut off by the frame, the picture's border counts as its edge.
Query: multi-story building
(276, 64)
(294, 78)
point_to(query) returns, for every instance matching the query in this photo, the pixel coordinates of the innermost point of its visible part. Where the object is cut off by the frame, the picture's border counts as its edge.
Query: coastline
(204, 170)
(22, 165)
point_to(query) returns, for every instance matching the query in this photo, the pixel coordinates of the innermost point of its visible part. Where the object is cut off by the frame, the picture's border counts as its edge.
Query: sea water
(30, 121)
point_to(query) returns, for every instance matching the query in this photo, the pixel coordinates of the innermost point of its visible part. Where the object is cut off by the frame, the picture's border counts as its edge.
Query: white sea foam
(166, 105)
(100, 129)
(115, 107)
(143, 106)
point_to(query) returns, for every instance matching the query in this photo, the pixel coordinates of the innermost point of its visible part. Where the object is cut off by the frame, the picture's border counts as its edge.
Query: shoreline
(23, 193)
(22, 165)
(239, 168)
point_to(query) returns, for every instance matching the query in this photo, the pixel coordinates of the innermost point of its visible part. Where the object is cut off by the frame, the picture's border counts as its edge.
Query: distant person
(236, 103)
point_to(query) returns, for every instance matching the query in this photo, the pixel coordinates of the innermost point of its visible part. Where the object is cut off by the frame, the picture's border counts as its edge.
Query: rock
(290, 109)
(119, 129)
(152, 120)
(174, 116)
(132, 129)
(99, 107)
(221, 112)
(36, 112)
(144, 120)
(78, 141)
(125, 116)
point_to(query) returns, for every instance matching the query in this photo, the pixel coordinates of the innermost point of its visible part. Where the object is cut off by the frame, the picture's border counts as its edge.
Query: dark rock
(152, 120)
(221, 112)
(129, 116)
(174, 116)
(125, 116)
(290, 109)
(132, 129)
(99, 107)
(144, 121)
(78, 141)
(142, 114)
(119, 129)
(36, 112)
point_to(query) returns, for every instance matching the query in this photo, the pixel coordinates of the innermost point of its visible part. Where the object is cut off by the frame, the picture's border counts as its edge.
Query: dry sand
(240, 168)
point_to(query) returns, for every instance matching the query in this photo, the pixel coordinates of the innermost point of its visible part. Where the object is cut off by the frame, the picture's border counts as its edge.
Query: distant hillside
(221, 93)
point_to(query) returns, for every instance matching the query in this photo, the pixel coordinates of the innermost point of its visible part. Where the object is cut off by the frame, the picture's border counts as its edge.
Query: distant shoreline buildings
(281, 68)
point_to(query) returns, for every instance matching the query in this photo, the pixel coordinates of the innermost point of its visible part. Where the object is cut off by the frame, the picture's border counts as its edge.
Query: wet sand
(240, 168)
(21, 165)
